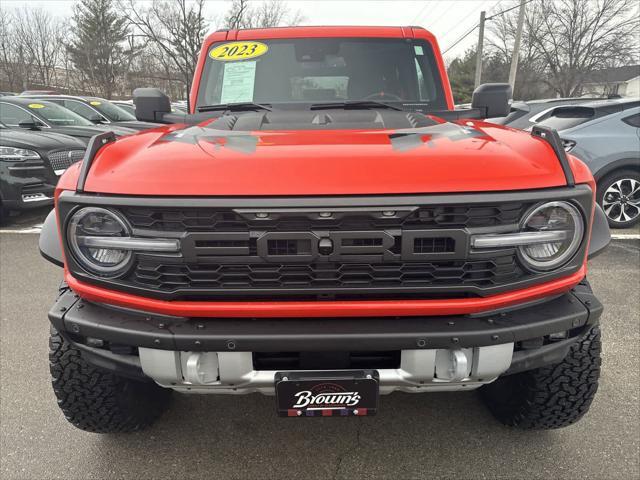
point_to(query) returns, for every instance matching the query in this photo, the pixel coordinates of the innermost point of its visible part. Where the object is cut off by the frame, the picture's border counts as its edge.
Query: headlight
(565, 227)
(11, 154)
(550, 235)
(90, 232)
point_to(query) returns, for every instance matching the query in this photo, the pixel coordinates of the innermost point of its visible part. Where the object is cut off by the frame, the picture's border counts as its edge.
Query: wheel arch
(622, 164)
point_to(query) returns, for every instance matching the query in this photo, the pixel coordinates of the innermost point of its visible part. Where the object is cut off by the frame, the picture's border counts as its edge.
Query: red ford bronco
(323, 226)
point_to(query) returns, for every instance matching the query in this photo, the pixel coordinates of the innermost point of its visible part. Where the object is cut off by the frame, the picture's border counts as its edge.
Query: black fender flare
(49, 242)
(600, 233)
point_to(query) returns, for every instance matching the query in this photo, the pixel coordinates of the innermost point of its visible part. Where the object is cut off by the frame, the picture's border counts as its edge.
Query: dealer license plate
(327, 394)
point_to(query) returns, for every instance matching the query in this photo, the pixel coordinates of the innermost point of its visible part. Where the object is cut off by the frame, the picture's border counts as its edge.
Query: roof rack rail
(550, 135)
(95, 144)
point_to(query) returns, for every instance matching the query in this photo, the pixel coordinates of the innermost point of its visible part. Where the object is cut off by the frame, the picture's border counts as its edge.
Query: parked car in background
(97, 110)
(39, 92)
(35, 115)
(30, 164)
(525, 114)
(7, 94)
(606, 136)
(126, 105)
(176, 107)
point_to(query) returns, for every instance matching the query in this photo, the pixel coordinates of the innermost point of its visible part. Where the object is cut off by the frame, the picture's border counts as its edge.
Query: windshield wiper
(353, 105)
(234, 107)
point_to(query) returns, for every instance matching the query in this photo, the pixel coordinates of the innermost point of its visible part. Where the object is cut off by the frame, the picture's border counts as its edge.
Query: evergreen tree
(96, 46)
(461, 74)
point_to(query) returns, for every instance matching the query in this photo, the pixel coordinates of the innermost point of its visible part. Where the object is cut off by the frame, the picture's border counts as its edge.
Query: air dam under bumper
(436, 353)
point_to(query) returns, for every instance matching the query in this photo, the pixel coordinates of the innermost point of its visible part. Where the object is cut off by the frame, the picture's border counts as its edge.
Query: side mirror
(151, 104)
(492, 99)
(31, 124)
(97, 119)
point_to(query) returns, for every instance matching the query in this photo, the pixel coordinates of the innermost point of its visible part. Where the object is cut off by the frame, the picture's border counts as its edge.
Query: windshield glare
(112, 112)
(321, 70)
(55, 114)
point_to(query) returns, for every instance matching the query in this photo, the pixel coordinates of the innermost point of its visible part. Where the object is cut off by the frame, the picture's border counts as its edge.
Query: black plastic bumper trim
(118, 326)
(553, 353)
(124, 365)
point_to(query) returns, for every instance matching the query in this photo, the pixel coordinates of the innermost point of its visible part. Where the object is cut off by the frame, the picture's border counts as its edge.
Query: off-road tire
(549, 397)
(97, 400)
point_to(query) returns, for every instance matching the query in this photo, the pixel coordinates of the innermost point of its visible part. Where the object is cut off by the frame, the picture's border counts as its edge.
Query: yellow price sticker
(234, 51)
(95, 103)
(36, 105)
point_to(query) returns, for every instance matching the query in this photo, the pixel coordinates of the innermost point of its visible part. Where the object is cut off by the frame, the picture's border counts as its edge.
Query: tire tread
(97, 400)
(549, 397)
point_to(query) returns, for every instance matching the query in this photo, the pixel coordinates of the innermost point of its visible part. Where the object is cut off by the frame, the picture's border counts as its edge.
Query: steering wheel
(383, 96)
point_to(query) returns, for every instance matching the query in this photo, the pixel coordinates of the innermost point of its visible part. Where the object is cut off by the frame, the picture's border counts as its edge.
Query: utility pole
(479, 50)
(516, 46)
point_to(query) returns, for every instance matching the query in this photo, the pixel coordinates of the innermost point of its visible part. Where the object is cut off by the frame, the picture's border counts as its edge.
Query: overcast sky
(448, 20)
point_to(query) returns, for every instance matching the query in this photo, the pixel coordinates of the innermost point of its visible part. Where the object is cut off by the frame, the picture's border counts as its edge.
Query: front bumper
(509, 341)
(25, 186)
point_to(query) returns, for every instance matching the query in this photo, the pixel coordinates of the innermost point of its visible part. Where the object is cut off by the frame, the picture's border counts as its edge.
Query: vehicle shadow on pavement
(241, 437)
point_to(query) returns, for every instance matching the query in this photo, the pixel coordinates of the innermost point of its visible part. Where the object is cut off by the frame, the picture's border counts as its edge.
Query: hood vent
(308, 120)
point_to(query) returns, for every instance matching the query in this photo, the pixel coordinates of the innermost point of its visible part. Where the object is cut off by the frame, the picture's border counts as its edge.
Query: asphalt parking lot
(443, 435)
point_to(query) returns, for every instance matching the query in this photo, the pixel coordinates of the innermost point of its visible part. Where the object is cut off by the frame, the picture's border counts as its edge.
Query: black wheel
(619, 197)
(549, 397)
(98, 401)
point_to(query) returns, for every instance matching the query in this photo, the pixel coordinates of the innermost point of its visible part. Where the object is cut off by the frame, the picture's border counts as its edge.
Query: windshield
(320, 70)
(130, 108)
(112, 112)
(55, 114)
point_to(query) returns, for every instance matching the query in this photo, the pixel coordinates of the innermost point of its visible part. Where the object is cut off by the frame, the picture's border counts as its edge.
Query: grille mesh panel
(328, 275)
(63, 159)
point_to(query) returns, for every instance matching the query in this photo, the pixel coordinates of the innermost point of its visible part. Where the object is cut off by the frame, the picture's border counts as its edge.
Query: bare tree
(40, 36)
(15, 63)
(530, 81)
(238, 15)
(566, 40)
(272, 13)
(176, 28)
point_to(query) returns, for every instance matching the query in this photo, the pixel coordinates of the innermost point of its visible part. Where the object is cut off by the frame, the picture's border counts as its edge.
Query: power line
(420, 13)
(479, 6)
(462, 38)
(477, 25)
(507, 10)
(435, 20)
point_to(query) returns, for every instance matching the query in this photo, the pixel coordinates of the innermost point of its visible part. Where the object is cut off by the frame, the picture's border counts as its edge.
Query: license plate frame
(343, 393)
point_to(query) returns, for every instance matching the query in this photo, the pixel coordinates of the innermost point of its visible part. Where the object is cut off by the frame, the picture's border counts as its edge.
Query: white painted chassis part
(420, 370)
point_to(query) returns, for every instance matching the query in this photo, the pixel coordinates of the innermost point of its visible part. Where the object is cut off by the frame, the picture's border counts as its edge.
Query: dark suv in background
(41, 115)
(30, 164)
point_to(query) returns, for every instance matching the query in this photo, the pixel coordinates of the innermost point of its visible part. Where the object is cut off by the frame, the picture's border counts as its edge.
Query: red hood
(447, 157)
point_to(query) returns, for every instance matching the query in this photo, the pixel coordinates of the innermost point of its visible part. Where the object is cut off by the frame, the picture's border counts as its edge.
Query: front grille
(63, 159)
(313, 253)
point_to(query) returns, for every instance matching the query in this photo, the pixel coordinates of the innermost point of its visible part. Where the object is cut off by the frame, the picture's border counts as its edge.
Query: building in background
(623, 81)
